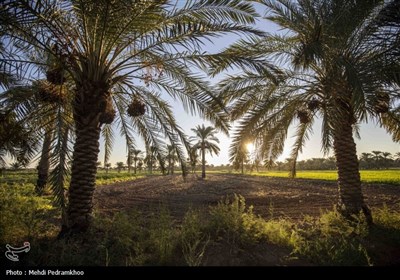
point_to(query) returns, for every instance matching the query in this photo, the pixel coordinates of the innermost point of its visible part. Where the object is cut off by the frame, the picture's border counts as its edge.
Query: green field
(391, 176)
(367, 176)
(102, 178)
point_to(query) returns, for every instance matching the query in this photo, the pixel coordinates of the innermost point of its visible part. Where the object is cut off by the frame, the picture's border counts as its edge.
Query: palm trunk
(92, 108)
(44, 163)
(135, 167)
(151, 165)
(351, 200)
(203, 161)
(83, 177)
(129, 161)
(63, 160)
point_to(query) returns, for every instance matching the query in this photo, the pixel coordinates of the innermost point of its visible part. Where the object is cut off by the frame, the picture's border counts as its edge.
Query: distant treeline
(372, 160)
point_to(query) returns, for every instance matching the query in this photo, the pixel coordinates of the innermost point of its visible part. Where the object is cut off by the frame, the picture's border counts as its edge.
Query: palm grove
(108, 64)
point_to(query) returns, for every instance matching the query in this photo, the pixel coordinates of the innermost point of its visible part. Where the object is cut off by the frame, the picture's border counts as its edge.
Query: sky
(372, 136)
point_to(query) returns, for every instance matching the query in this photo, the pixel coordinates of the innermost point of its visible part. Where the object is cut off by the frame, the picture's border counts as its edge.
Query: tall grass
(23, 215)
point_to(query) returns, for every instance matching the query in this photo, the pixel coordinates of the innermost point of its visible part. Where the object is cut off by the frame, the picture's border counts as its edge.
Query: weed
(194, 240)
(333, 240)
(162, 236)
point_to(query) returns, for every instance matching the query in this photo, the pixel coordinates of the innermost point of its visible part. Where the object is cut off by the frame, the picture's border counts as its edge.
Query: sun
(250, 147)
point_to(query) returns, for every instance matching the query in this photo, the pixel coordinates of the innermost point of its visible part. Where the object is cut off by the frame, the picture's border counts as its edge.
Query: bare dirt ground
(271, 197)
(277, 196)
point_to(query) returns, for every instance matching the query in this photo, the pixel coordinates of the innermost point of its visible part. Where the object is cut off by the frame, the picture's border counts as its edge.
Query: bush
(122, 239)
(238, 223)
(226, 218)
(333, 240)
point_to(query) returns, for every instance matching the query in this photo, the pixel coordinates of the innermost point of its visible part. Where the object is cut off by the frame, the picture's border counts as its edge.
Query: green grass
(367, 176)
(102, 178)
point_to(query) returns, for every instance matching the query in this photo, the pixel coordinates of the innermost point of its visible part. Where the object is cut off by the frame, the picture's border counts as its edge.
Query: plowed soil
(277, 197)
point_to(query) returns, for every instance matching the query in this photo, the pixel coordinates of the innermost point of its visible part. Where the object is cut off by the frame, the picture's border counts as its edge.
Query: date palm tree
(121, 56)
(150, 159)
(120, 165)
(193, 159)
(107, 166)
(129, 160)
(397, 156)
(136, 157)
(171, 157)
(206, 142)
(377, 156)
(238, 157)
(43, 107)
(337, 61)
(367, 158)
(387, 159)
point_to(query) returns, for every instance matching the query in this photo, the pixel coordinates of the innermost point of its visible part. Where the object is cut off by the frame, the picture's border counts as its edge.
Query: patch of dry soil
(278, 197)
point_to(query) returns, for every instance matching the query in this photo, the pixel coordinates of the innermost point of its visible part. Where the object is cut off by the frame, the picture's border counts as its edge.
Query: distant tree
(256, 164)
(366, 160)
(193, 159)
(120, 166)
(140, 165)
(206, 142)
(151, 157)
(162, 163)
(171, 158)
(386, 159)
(107, 167)
(129, 160)
(377, 156)
(238, 157)
(279, 165)
(136, 157)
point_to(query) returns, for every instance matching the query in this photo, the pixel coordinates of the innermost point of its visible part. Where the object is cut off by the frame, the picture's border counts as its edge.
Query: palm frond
(108, 134)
